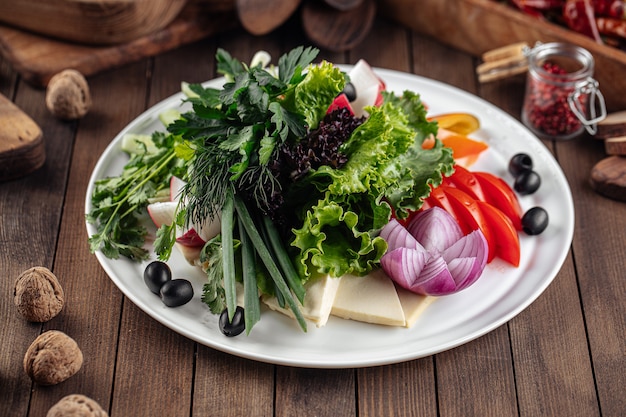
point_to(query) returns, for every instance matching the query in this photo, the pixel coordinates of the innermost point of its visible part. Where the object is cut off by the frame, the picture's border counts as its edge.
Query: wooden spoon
(22, 148)
(260, 17)
(337, 30)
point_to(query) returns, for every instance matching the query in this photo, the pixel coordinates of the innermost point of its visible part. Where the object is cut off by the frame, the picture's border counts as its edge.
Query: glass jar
(561, 95)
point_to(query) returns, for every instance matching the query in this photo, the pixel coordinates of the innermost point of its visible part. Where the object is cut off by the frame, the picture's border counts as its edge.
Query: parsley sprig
(118, 202)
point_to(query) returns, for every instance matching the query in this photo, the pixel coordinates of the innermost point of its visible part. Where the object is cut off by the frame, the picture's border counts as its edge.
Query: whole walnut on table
(76, 405)
(38, 294)
(52, 358)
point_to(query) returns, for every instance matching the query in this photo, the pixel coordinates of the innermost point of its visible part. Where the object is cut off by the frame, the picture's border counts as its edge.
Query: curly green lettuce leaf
(336, 236)
(315, 93)
(372, 147)
(417, 170)
(386, 157)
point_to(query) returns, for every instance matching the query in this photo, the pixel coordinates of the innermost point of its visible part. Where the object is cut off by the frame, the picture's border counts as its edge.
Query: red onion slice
(437, 259)
(435, 229)
(404, 265)
(435, 279)
(397, 236)
(473, 245)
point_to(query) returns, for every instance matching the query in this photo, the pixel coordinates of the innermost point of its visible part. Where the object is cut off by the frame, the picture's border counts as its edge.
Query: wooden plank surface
(599, 263)
(564, 355)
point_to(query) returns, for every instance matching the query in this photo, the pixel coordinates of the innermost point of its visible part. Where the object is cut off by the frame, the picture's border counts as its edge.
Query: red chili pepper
(610, 8)
(539, 4)
(579, 16)
(536, 8)
(612, 27)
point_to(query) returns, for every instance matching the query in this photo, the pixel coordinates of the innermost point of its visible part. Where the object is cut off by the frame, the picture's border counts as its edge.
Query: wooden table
(564, 355)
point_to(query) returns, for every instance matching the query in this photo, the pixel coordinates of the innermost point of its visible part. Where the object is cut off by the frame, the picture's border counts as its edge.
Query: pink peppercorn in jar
(561, 94)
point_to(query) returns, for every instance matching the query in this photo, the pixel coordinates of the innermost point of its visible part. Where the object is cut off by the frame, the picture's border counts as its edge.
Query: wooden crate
(476, 26)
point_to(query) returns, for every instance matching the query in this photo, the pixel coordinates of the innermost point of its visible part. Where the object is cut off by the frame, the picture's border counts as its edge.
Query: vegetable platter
(502, 291)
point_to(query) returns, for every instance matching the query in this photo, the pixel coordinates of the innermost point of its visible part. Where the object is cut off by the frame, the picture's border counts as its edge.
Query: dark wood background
(563, 356)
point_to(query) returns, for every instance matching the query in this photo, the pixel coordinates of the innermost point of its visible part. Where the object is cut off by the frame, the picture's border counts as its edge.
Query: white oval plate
(499, 295)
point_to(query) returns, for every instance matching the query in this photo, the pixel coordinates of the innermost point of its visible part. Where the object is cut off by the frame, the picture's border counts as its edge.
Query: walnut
(76, 405)
(52, 358)
(38, 295)
(67, 95)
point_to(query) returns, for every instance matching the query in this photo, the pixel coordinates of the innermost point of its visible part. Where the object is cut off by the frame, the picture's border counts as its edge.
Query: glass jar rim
(542, 52)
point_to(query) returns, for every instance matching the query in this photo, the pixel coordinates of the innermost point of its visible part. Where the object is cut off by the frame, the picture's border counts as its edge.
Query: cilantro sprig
(118, 202)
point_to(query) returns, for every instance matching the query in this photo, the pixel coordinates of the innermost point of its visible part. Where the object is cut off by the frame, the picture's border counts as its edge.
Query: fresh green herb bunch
(237, 131)
(236, 134)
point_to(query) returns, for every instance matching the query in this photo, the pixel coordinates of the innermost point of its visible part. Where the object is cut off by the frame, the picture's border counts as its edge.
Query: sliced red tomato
(467, 209)
(426, 204)
(499, 194)
(440, 199)
(465, 181)
(505, 235)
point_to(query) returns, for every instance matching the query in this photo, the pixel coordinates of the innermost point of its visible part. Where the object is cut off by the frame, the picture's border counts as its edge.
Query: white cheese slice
(318, 300)
(413, 304)
(372, 299)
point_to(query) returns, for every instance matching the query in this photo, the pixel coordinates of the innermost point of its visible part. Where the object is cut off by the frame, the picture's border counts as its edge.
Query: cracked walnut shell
(38, 295)
(52, 358)
(76, 405)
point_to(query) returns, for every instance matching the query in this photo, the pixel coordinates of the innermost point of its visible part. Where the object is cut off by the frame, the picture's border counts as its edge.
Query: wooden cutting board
(91, 21)
(37, 57)
(22, 149)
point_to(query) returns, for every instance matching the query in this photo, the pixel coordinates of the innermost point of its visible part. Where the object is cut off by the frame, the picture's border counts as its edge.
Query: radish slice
(197, 234)
(176, 188)
(162, 213)
(367, 86)
(191, 239)
(436, 259)
(210, 229)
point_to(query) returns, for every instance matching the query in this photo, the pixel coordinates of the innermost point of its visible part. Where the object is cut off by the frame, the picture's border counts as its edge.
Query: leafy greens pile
(299, 192)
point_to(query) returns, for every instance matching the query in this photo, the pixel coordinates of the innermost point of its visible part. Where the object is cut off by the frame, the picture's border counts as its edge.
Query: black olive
(535, 221)
(519, 163)
(234, 328)
(156, 274)
(176, 292)
(350, 91)
(527, 182)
